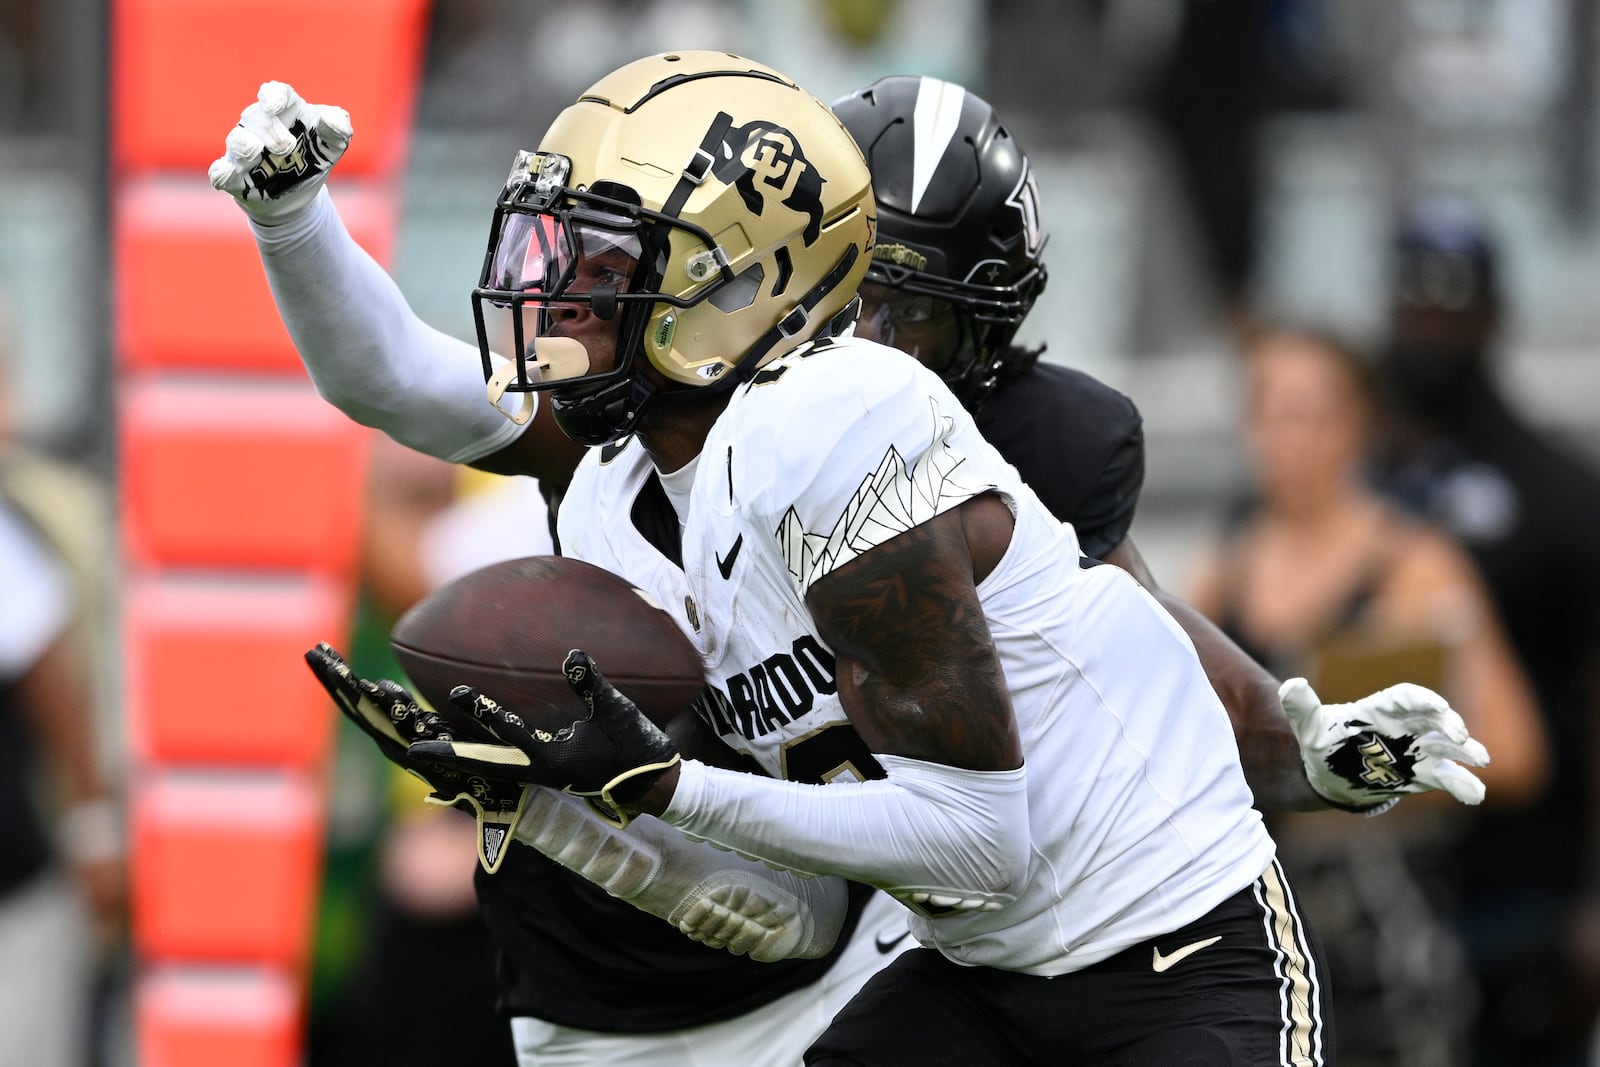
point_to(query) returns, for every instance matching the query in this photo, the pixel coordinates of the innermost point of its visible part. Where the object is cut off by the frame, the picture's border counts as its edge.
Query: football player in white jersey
(760, 698)
(1021, 749)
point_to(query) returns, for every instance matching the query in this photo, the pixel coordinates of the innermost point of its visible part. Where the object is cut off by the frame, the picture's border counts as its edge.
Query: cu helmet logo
(763, 160)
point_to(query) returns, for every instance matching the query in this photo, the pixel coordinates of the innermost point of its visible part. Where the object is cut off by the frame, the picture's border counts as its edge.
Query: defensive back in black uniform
(957, 268)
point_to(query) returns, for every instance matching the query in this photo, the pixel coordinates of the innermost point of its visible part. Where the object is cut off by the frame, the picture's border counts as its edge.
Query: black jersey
(570, 953)
(573, 955)
(24, 843)
(25, 847)
(1078, 442)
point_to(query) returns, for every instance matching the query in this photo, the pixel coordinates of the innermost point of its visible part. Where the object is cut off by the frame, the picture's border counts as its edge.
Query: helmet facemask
(985, 319)
(558, 255)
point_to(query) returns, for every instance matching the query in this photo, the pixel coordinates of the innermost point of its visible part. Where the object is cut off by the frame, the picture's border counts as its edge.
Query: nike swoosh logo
(887, 947)
(726, 565)
(1160, 963)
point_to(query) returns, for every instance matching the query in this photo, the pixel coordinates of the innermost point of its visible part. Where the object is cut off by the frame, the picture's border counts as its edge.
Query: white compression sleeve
(367, 352)
(713, 896)
(929, 834)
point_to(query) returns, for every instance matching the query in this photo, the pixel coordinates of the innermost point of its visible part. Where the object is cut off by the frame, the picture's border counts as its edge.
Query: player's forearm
(929, 833)
(1268, 750)
(57, 702)
(366, 351)
(711, 895)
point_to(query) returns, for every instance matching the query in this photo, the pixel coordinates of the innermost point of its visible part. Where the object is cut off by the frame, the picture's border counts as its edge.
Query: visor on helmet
(548, 267)
(544, 253)
(925, 327)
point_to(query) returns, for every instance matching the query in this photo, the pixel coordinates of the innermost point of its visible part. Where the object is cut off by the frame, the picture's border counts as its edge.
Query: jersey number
(834, 751)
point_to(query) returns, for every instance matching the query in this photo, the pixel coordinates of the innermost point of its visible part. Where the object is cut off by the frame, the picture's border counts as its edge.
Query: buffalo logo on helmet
(763, 159)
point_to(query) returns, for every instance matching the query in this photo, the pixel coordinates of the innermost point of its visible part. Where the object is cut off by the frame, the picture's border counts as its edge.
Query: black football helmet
(958, 215)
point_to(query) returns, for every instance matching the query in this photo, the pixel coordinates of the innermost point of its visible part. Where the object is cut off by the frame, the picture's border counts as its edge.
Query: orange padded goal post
(241, 493)
(183, 69)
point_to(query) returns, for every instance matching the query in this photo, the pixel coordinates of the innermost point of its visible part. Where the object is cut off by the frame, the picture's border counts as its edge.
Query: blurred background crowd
(1344, 255)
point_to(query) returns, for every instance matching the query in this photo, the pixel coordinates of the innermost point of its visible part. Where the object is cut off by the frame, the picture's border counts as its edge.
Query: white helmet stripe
(937, 115)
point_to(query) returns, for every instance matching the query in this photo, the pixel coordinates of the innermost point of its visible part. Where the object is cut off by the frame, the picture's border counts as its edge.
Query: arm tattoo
(918, 672)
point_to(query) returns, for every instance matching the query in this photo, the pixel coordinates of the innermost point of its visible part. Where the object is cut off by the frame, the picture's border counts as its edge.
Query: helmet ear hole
(741, 292)
(785, 271)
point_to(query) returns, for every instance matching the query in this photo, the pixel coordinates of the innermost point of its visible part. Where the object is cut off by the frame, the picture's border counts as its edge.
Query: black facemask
(595, 415)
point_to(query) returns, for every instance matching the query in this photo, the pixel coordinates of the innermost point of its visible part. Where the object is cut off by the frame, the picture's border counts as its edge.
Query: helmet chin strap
(603, 414)
(554, 358)
(797, 320)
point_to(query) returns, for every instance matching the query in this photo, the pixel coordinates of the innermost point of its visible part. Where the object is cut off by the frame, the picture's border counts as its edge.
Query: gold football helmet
(705, 208)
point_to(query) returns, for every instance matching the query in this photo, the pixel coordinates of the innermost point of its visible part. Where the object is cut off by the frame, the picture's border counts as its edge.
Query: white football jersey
(1139, 814)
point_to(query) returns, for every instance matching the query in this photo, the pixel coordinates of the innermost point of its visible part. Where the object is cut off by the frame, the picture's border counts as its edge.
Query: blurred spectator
(1222, 72)
(22, 58)
(1527, 506)
(1209, 97)
(1322, 577)
(62, 868)
(399, 915)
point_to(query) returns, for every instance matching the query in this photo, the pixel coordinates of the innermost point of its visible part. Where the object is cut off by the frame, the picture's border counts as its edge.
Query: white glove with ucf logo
(1364, 756)
(280, 153)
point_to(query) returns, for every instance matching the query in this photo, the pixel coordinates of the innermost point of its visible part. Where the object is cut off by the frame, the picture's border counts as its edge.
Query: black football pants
(1244, 986)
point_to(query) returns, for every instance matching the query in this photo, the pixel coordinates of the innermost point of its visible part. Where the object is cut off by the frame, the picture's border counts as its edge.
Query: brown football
(505, 629)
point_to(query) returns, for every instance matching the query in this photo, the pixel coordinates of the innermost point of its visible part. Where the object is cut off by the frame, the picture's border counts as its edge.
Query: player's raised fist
(280, 153)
